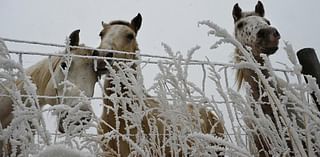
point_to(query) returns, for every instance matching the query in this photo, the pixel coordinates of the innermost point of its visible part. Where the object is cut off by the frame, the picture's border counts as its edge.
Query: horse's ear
(136, 22)
(104, 24)
(236, 12)
(74, 38)
(259, 9)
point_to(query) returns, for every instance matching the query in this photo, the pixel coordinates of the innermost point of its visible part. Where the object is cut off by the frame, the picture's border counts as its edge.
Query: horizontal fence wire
(190, 62)
(101, 98)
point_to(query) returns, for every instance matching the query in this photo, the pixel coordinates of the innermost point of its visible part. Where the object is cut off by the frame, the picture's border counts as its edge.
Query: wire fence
(208, 95)
(228, 68)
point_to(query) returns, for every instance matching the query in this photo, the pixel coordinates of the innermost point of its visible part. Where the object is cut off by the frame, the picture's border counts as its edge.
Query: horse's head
(120, 36)
(255, 31)
(75, 77)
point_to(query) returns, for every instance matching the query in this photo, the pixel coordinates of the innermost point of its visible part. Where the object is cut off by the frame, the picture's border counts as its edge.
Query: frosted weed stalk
(18, 137)
(27, 133)
(179, 94)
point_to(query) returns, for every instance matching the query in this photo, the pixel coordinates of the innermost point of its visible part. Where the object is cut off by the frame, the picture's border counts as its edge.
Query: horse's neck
(251, 77)
(109, 85)
(149, 102)
(40, 75)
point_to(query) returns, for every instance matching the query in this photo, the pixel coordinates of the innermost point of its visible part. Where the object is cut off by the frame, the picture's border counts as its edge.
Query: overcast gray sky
(171, 21)
(168, 21)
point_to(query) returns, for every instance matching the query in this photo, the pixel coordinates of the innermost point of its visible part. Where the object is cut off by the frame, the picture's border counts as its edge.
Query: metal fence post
(310, 66)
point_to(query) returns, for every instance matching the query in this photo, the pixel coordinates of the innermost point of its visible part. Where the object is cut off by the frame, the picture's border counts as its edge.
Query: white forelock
(110, 39)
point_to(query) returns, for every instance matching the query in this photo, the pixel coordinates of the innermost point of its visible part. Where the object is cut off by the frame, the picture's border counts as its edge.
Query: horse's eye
(101, 34)
(130, 36)
(63, 65)
(240, 25)
(268, 22)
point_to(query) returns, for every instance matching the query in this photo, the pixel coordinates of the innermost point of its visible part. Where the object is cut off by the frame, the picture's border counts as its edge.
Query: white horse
(67, 76)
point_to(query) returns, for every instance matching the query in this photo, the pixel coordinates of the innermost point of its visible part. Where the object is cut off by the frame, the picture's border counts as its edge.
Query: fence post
(310, 66)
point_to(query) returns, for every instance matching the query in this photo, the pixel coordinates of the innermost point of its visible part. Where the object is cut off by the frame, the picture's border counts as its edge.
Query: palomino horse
(254, 31)
(126, 98)
(69, 77)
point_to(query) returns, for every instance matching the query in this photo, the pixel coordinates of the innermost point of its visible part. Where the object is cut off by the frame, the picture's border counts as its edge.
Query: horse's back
(209, 121)
(6, 108)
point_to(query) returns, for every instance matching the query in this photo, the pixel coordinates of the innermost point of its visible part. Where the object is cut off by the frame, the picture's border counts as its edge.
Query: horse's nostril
(276, 34)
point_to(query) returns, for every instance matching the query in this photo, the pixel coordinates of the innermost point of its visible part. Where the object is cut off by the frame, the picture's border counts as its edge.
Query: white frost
(3, 50)
(62, 151)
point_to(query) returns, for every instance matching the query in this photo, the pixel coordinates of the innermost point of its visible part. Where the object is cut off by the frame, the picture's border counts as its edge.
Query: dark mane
(117, 22)
(124, 23)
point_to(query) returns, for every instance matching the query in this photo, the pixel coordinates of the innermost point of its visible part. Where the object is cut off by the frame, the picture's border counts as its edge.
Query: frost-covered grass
(26, 110)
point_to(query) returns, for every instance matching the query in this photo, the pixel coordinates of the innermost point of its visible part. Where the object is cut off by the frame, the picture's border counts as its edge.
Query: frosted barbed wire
(101, 98)
(79, 47)
(190, 62)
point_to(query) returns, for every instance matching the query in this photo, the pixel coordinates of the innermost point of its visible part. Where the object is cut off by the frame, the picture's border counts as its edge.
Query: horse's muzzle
(101, 64)
(268, 40)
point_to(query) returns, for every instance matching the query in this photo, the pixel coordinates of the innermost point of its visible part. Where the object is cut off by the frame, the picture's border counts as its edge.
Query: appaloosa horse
(257, 35)
(125, 98)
